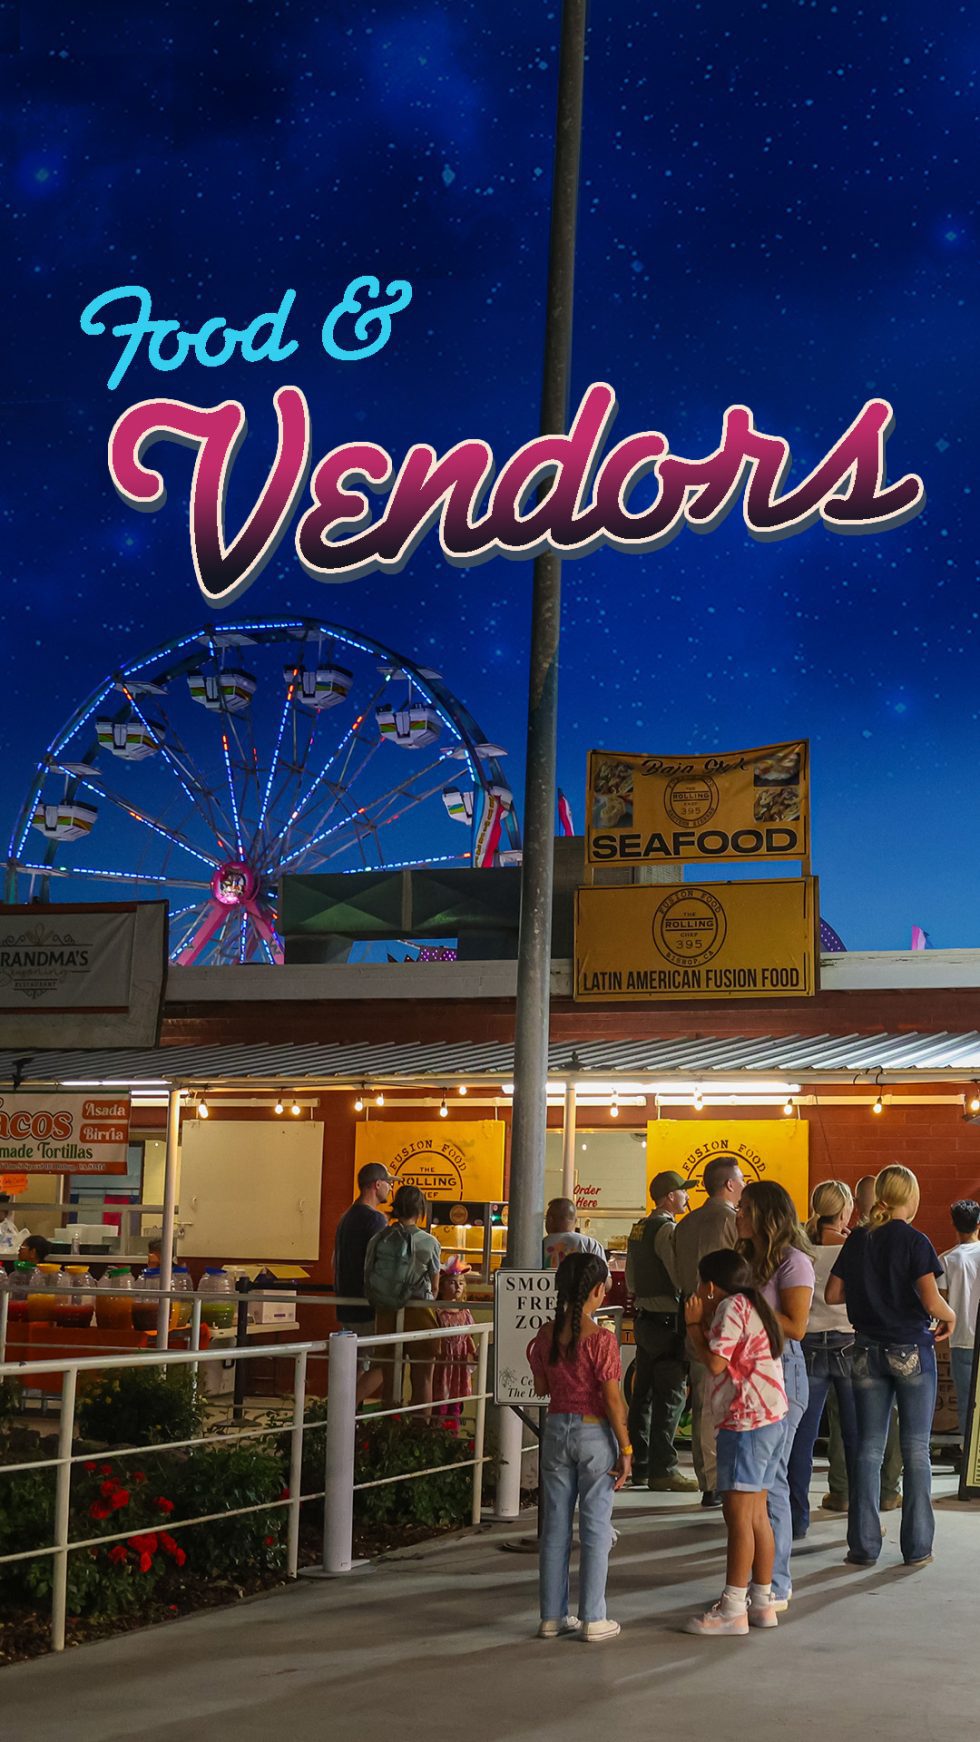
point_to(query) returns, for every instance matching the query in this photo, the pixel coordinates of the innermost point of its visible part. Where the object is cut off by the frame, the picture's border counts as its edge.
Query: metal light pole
(537, 876)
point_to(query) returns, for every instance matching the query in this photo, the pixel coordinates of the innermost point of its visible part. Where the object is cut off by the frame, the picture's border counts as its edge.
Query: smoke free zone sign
(696, 941)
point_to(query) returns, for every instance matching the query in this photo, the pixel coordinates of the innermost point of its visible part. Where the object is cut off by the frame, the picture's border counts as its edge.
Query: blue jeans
(577, 1458)
(780, 1511)
(828, 1365)
(961, 1364)
(885, 1373)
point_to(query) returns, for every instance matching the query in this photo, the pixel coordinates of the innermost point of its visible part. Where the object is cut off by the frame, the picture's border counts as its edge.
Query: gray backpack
(391, 1271)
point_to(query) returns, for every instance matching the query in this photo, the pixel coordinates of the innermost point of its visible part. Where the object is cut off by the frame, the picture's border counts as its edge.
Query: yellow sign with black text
(462, 1161)
(658, 810)
(648, 942)
(765, 1149)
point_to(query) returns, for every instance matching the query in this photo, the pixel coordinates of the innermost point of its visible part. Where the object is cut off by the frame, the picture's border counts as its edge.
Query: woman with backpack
(402, 1264)
(585, 1449)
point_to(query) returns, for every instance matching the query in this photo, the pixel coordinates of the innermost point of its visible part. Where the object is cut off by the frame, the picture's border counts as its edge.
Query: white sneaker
(713, 1621)
(781, 1604)
(595, 1630)
(552, 1629)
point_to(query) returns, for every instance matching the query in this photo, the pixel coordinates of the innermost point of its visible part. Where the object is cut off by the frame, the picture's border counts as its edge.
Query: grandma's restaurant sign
(63, 1133)
(742, 804)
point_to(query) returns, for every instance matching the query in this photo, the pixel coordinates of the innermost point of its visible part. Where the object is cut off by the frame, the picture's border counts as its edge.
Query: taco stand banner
(63, 1133)
(765, 1149)
(464, 1163)
(743, 805)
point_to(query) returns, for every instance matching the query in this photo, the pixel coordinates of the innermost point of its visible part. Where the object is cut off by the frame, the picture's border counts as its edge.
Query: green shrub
(140, 1406)
(221, 1478)
(392, 1446)
(396, 1446)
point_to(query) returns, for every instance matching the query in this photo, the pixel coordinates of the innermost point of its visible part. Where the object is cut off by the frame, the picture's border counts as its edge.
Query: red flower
(146, 1562)
(167, 1543)
(119, 1553)
(139, 1475)
(180, 1558)
(284, 1495)
(120, 1498)
(365, 1445)
(471, 1445)
(99, 1509)
(147, 1543)
(269, 1540)
(107, 1489)
(90, 1467)
(106, 1470)
(164, 1505)
(171, 1608)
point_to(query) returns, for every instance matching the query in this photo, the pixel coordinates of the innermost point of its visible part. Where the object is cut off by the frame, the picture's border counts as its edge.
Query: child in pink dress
(453, 1377)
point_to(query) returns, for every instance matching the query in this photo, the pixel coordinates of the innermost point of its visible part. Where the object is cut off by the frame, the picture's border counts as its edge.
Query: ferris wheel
(206, 770)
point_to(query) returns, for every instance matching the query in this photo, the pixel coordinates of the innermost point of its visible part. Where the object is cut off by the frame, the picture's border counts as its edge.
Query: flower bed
(141, 1564)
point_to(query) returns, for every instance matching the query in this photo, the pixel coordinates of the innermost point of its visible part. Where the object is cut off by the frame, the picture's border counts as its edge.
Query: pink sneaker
(714, 1622)
(763, 1615)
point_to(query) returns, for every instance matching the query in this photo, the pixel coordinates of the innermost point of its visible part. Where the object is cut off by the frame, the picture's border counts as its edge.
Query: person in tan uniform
(710, 1228)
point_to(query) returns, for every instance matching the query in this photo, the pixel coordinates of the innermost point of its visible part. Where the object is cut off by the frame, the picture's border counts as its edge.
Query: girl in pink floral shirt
(741, 1348)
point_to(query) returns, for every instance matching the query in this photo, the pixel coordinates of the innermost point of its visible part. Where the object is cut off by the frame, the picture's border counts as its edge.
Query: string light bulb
(698, 1100)
(379, 1099)
(203, 1110)
(443, 1109)
(614, 1106)
(878, 1105)
(359, 1104)
(788, 1106)
(295, 1109)
(974, 1102)
(279, 1109)
(463, 1089)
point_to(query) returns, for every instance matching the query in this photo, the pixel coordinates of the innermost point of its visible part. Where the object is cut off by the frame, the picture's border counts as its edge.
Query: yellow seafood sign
(648, 942)
(463, 1160)
(745, 804)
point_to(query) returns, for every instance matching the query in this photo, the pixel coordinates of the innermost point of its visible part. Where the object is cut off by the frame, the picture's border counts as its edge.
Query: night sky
(778, 208)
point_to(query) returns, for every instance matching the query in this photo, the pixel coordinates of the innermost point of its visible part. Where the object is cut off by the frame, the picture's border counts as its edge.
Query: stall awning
(831, 1057)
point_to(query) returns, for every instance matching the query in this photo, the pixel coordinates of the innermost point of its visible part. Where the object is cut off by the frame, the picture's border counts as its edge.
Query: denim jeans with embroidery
(884, 1373)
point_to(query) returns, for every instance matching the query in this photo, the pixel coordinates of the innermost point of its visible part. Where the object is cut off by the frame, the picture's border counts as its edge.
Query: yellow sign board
(650, 942)
(658, 810)
(464, 1160)
(770, 1149)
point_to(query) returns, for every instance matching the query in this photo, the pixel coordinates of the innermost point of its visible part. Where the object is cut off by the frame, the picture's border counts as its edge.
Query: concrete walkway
(437, 1645)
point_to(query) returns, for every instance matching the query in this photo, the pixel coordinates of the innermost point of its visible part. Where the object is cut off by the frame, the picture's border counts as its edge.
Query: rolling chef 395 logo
(689, 927)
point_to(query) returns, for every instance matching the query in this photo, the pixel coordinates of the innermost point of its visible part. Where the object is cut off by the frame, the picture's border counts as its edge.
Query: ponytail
(730, 1272)
(576, 1277)
(895, 1188)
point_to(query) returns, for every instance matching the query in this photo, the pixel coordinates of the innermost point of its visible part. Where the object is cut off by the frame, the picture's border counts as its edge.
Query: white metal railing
(343, 1350)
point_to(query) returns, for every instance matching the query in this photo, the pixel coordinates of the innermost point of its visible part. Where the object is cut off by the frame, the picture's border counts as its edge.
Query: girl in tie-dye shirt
(736, 1334)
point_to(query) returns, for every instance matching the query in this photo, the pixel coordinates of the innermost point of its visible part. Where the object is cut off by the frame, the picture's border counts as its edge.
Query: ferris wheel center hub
(234, 884)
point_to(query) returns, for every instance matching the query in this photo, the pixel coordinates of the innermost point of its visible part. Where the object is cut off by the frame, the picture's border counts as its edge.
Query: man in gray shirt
(707, 1229)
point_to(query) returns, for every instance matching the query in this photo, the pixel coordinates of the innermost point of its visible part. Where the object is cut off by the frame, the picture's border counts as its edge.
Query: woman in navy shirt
(886, 1275)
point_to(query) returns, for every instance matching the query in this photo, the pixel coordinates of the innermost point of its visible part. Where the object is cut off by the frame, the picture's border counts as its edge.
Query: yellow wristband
(627, 1451)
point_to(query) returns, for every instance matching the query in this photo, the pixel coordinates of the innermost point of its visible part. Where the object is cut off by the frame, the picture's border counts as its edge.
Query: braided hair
(576, 1277)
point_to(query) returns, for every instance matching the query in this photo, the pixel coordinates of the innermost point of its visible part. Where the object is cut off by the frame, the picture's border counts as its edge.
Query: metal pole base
(319, 1573)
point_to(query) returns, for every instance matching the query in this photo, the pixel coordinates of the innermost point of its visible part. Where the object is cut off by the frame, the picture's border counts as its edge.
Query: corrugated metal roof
(798, 1055)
